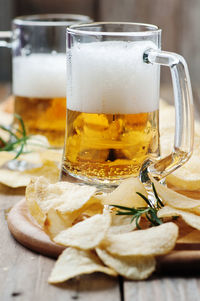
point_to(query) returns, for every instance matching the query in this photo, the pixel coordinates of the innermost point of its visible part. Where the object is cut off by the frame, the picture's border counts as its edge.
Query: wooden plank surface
(163, 289)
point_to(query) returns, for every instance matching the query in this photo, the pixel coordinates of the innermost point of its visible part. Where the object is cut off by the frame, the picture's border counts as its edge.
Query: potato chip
(121, 224)
(94, 208)
(176, 200)
(153, 241)
(5, 157)
(49, 170)
(56, 206)
(14, 179)
(36, 211)
(5, 118)
(131, 267)
(52, 155)
(56, 222)
(86, 234)
(167, 119)
(64, 196)
(187, 176)
(125, 194)
(73, 262)
(191, 219)
(36, 143)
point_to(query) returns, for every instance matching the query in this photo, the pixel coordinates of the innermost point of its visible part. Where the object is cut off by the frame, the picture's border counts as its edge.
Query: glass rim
(77, 29)
(46, 19)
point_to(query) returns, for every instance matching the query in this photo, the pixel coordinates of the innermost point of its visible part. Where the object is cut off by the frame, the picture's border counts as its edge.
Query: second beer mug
(113, 103)
(39, 72)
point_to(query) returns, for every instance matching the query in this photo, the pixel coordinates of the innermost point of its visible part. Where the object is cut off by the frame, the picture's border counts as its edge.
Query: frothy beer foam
(40, 75)
(111, 77)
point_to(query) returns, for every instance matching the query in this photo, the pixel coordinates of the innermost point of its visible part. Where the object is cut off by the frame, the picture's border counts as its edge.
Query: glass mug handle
(5, 39)
(184, 121)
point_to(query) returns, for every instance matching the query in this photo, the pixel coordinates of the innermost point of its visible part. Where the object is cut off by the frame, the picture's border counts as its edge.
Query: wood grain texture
(163, 289)
(27, 232)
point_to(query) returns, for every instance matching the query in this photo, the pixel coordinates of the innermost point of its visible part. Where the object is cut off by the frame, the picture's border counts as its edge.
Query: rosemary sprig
(150, 212)
(17, 139)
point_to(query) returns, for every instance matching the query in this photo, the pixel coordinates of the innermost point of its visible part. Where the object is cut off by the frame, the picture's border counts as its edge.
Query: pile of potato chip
(42, 163)
(83, 220)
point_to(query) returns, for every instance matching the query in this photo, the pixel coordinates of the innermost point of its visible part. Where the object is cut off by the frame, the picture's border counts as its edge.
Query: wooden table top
(23, 274)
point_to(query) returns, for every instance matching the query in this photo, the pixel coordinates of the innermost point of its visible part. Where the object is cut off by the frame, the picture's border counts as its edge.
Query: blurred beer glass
(39, 72)
(113, 88)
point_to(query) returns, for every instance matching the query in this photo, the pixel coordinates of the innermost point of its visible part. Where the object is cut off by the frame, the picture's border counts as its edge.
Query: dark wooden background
(179, 19)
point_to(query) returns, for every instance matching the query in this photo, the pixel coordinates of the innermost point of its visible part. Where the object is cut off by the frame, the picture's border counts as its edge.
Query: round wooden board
(28, 233)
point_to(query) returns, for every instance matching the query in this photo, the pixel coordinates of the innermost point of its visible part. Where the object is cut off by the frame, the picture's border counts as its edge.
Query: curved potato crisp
(121, 224)
(55, 222)
(63, 196)
(73, 262)
(153, 241)
(191, 219)
(56, 206)
(86, 234)
(176, 200)
(125, 194)
(16, 179)
(5, 157)
(187, 177)
(131, 267)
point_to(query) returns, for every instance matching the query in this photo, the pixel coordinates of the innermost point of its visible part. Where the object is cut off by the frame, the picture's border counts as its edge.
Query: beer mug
(113, 88)
(39, 72)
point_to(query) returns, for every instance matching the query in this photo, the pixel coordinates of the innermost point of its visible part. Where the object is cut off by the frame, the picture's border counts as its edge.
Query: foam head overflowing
(39, 75)
(111, 78)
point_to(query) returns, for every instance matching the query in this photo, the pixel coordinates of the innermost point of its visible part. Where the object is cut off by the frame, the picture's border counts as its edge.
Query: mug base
(105, 185)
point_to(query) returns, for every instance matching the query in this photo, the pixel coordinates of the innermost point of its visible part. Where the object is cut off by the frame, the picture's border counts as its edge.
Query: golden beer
(109, 146)
(43, 116)
(39, 84)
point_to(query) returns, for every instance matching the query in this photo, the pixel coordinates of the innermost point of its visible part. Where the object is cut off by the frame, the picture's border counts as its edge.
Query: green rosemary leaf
(21, 123)
(3, 141)
(149, 212)
(17, 138)
(20, 151)
(155, 218)
(124, 213)
(9, 130)
(122, 207)
(144, 198)
(174, 218)
(137, 222)
(156, 196)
